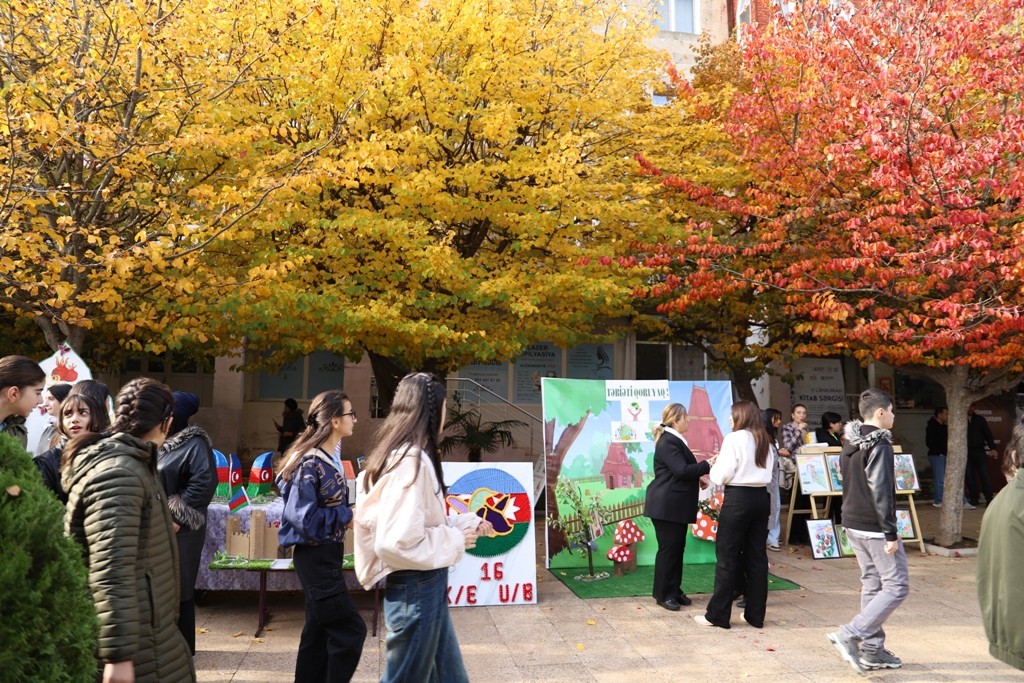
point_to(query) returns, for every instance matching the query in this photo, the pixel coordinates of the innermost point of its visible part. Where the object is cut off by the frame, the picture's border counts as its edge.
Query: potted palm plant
(466, 429)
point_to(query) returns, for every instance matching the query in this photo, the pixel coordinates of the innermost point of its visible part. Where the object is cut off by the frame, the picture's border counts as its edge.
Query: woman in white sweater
(403, 535)
(744, 466)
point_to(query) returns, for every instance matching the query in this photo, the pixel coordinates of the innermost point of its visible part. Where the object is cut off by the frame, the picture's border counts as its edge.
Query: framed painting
(904, 524)
(835, 477)
(845, 549)
(813, 476)
(906, 474)
(824, 543)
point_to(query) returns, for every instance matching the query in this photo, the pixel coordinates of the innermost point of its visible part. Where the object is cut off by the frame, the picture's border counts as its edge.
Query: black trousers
(977, 478)
(332, 639)
(742, 556)
(668, 563)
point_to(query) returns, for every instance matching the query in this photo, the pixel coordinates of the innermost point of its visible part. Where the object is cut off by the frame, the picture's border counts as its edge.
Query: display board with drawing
(813, 475)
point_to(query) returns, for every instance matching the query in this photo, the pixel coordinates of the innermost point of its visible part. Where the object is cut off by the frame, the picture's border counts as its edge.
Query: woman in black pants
(316, 514)
(744, 466)
(672, 503)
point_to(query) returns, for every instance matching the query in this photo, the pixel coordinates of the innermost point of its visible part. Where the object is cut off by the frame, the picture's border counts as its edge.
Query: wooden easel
(826, 506)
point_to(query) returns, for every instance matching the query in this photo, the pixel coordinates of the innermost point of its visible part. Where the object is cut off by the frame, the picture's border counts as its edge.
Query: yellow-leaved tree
(123, 154)
(474, 176)
(433, 182)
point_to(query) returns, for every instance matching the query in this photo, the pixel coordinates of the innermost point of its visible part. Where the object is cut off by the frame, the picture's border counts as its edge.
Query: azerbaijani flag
(239, 500)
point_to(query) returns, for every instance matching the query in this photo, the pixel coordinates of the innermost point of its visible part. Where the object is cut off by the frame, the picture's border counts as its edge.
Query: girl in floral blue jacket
(316, 513)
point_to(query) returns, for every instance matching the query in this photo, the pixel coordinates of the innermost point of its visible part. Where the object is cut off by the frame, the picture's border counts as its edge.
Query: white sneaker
(936, 505)
(968, 506)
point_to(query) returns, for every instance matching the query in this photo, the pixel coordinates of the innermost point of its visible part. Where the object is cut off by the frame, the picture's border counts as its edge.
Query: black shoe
(670, 605)
(684, 600)
(742, 603)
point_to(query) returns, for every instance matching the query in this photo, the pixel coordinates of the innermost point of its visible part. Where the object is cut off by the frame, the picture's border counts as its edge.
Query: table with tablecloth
(216, 536)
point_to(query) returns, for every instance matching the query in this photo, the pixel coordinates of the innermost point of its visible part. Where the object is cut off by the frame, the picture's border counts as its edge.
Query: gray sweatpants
(885, 584)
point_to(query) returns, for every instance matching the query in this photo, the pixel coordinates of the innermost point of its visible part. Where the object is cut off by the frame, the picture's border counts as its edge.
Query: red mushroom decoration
(623, 557)
(623, 554)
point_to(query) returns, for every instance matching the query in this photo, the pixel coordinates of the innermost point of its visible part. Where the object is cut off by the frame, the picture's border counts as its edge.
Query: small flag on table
(239, 500)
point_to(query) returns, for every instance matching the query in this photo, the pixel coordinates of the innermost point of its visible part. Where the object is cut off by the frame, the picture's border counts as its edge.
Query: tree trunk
(957, 400)
(556, 538)
(742, 383)
(388, 372)
(56, 333)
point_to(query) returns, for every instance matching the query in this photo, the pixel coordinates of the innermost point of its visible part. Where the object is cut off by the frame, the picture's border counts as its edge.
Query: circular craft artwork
(499, 498)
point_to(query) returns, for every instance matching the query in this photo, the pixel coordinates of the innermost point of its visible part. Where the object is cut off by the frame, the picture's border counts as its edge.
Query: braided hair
(413, 425)
(142, 405)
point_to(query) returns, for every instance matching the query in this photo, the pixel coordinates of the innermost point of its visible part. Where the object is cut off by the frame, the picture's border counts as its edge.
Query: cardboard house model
(259, 544)
(617, 470)
(704, 436)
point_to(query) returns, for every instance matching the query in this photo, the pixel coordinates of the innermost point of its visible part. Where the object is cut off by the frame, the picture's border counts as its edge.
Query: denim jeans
(885, 584)
(420, 642)
(938, 463)
(774, 509)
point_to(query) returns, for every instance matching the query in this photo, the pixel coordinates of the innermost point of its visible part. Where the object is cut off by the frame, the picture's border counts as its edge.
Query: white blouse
(735, 465)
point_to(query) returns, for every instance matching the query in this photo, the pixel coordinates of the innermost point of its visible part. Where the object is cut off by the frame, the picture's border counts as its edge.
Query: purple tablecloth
(239, 580)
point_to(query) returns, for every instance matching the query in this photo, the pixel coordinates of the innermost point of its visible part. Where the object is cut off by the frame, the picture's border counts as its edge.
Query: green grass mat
(697, 578)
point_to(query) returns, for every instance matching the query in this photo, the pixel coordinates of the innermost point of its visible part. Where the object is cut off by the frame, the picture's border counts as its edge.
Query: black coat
(49, 468)
(188, 472)
(673, 494)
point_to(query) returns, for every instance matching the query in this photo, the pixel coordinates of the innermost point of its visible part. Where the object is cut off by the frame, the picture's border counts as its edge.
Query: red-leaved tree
(885, 152)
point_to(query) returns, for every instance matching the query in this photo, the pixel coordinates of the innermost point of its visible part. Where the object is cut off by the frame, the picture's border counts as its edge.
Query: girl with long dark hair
(77, 414)
(744, 466)
(316, 513)
(404, 534)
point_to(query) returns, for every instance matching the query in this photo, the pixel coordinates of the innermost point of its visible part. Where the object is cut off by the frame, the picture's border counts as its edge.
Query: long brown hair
(325, 407)
(99, 420)
(413, 425)
(142, 405)
(746, 415)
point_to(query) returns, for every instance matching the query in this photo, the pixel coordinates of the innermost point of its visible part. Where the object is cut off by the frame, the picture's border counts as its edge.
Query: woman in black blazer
(672, 503)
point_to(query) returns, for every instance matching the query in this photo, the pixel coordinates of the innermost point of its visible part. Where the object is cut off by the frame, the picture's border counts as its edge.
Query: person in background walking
(869, 516)
(745, 466)
(21, 390)
(188, 473)
(54, 394)
(980, 446)
(1000, 548)
(316, 514)
(404, 535)
(671, 503)
(118, 512)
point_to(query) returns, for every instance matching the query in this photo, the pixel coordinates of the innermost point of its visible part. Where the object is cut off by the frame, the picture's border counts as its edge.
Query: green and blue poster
(599, 437)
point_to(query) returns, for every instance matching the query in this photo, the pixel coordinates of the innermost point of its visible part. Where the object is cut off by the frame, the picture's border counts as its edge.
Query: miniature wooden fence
(613, 514)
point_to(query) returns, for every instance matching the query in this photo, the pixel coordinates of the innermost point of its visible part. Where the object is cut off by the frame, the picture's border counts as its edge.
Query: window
(677, 362)
(303, 378)
(178, 371)
(679, 16)
(915, 391)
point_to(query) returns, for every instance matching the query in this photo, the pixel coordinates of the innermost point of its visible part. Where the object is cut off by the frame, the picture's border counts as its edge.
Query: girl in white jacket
(403, 535)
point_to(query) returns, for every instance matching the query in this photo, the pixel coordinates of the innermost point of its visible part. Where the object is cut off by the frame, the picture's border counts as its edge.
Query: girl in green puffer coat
(117, 511)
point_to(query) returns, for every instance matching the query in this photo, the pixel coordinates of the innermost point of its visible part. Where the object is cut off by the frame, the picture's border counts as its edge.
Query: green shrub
(48, 629)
